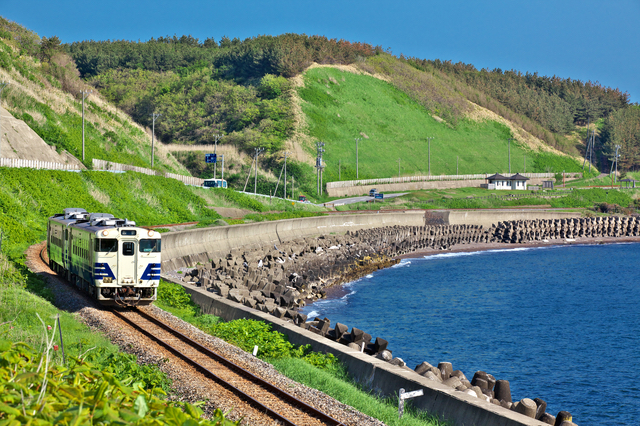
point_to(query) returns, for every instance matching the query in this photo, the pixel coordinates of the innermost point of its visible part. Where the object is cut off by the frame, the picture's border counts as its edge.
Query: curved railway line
(257, 393)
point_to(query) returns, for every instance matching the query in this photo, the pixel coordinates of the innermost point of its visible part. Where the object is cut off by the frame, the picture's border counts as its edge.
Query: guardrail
(110, 166)
(36, 164)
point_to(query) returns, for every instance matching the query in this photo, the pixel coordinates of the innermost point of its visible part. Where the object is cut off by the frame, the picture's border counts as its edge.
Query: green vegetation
(28, 197)
(553, 106)
(36, 390)
(319, 371)
(41, 73)
(243, 333)
(341, 105)
(27, 316)
(345, 390)
(477, 198)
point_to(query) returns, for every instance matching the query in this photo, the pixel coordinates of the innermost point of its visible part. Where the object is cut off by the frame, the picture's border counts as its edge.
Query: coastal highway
(362, 199)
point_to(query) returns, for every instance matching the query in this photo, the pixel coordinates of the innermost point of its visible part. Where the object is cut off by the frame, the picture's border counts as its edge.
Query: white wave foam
(473, 253)
(402, 263)
(369, 276)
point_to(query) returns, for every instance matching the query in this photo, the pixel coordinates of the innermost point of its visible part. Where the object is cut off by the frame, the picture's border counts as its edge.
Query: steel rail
(232, 366)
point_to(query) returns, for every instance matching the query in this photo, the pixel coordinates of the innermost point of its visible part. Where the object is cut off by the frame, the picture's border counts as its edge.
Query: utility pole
(85, 93)
(248, 175)
(153, 133)
(319, 167)
(215, 152)
(2, 86)
(510, 139)
(429, 151)
(588, 145)
(615, 161)
(286, 154)
(221, 156)
(255, 182)
(357, 174)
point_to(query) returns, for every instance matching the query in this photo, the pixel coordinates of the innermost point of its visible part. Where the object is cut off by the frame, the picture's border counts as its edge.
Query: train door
(127, 261)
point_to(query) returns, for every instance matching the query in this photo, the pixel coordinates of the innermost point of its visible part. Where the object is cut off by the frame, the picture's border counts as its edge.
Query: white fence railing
(117, 167)
(36, 164)
(405, 179)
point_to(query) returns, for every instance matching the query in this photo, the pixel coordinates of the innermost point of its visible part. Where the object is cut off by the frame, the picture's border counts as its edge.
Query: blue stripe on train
(152, 272)
(102, 270)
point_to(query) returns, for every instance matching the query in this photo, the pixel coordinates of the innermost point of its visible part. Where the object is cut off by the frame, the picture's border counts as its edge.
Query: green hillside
(340, 106)
(45, 92)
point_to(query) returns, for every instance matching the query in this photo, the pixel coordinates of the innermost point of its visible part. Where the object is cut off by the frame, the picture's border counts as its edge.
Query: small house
(515, 182)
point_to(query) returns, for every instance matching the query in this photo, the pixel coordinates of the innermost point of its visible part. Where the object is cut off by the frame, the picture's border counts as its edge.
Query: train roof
(91, 222)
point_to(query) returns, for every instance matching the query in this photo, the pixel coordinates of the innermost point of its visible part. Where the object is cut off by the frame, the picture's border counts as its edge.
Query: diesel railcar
(111, 259)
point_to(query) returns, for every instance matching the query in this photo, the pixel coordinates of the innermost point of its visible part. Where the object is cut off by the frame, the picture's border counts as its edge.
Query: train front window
(128, 249)
(108, 245)
(150, 246)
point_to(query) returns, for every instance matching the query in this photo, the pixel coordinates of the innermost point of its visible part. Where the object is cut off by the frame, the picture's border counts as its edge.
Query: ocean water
(561, 323)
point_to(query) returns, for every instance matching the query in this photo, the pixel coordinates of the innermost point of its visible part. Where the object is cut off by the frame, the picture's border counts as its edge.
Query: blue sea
(561, 323)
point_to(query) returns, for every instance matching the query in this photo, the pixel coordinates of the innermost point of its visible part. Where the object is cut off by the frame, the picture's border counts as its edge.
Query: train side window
(150, 246)
(128, 249)
(106, 245)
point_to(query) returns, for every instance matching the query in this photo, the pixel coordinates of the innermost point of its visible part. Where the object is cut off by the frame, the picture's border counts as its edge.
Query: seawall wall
(188, 248)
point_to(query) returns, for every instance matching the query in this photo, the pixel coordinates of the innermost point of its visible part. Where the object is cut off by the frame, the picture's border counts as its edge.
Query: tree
(48, 48)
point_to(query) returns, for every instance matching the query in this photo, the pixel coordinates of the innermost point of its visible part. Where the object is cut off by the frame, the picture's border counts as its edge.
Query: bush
(34, 391)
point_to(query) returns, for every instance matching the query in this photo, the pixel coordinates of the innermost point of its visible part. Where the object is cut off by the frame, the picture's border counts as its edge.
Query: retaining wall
(187, 248)
(376, 374)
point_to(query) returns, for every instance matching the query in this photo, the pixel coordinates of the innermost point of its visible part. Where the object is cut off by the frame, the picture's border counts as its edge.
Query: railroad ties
(260, 394)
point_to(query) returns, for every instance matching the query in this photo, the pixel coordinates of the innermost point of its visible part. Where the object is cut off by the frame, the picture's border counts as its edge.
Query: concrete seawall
(487, 218)
(378, 375)
(187, 248)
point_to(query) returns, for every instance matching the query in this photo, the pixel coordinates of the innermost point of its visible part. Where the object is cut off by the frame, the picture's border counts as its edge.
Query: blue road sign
(379, 196)
(210, 158)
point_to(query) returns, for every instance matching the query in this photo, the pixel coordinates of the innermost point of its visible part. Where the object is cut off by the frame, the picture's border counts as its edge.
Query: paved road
(353, 200)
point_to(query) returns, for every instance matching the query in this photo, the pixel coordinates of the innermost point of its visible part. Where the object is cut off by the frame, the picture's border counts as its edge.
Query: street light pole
(215, 152)
(357, 172)
(85, 93)
(510, 139)
(154, 116)
(2, 86)
(429, 152)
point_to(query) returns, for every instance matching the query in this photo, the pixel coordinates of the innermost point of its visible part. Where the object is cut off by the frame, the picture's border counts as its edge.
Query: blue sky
(585, 40)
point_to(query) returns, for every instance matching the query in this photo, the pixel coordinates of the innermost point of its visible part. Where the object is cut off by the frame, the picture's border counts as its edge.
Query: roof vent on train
(74, 213)
(100, 218)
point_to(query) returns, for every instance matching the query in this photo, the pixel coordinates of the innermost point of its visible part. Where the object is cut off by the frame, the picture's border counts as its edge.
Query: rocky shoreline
(280, 280)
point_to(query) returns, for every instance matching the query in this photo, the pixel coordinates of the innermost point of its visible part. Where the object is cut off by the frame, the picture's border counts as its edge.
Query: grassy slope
(36, 97)
(340, 105)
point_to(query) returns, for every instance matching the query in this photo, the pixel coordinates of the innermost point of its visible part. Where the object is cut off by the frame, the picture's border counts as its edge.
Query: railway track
(261, 395)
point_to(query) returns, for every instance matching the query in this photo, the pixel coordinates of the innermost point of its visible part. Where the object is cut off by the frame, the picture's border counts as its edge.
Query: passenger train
(111, 259)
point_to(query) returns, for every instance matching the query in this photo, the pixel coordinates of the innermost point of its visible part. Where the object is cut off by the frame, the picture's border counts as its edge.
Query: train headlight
(151, 232)
(105, 233)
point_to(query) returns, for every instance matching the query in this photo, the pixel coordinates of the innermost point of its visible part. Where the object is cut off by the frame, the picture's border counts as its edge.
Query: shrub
(34, 391)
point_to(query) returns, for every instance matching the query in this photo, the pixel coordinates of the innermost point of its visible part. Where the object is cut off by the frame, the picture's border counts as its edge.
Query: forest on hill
(238, 87)
(241, 89)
